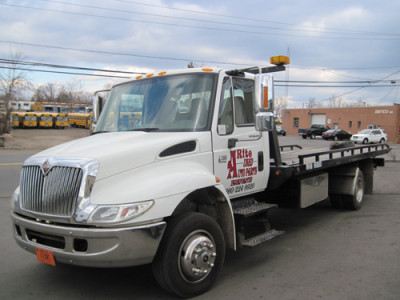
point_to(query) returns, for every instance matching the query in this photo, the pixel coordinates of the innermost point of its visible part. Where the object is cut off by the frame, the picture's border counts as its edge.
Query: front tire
(365, 141)
(190, 256)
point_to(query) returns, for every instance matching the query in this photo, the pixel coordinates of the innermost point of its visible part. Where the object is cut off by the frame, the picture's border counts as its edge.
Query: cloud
(327, 41)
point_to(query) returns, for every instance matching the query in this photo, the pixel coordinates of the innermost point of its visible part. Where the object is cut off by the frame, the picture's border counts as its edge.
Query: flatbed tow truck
(181, 165)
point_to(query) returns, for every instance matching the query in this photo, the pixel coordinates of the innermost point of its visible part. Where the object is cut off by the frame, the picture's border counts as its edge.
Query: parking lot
(325, 253)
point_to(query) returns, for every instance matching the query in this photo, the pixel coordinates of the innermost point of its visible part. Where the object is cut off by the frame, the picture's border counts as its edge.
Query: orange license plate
(45, 256)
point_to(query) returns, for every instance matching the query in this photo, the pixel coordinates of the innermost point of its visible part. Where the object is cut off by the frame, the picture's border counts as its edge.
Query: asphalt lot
(324, 254)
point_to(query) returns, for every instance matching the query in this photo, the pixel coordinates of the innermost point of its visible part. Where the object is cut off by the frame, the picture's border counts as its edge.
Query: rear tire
(190, 256)
(355, 201)
(382, 141)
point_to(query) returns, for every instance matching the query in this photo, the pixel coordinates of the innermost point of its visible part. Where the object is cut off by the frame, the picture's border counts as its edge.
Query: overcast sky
(335, 43)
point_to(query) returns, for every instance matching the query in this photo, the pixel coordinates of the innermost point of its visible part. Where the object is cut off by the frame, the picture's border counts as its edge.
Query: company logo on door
(241, 170)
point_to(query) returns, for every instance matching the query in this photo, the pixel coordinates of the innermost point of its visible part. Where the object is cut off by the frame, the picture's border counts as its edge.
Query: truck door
(239, 150)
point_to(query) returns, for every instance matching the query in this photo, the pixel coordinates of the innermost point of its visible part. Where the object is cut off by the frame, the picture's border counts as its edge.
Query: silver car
(368, 136)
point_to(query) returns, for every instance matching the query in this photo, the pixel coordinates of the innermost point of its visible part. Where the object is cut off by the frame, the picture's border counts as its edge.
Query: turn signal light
(266, 103)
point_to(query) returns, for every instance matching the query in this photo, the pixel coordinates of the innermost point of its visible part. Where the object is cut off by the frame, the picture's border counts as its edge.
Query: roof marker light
(150, 75)
(162, 73)
(138, 77)
(207, 70)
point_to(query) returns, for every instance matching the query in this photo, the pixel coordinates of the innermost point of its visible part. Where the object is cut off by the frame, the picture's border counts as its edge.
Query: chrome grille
(53, 194)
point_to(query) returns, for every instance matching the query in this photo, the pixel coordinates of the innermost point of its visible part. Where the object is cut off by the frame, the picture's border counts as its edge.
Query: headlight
(118, 213)
(14, 199)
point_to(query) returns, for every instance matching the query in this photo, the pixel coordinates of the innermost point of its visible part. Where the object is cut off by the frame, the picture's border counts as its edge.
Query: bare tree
(280, 104)
(360, 103)
(73, 92)
(335, 102)
(312, 103)
(12, 83)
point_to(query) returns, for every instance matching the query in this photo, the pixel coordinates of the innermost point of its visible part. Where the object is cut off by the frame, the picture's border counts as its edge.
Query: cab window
(243, 90)
(225, 113)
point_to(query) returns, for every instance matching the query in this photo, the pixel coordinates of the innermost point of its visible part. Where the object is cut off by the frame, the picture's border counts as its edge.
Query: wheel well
(210, 201)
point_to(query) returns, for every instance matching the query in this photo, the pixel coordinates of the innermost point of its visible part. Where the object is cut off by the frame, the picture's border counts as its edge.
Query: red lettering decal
(232, 171)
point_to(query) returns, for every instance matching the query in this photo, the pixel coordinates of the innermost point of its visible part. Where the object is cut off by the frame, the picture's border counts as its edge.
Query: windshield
(167, 103)
(62, 119)
(365, 131)
(46, 119)
(30, 118)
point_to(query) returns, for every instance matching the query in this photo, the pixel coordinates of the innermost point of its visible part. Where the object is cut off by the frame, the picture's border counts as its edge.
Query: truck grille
(54, 193)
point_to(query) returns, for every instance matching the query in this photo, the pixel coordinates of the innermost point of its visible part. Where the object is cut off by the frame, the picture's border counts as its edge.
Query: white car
(367, 136)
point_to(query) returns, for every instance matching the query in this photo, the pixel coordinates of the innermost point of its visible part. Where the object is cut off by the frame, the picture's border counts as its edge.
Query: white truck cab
(172, 175)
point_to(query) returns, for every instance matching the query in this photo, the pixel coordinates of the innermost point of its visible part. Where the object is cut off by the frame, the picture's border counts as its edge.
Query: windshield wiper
(102, 131)
(146, 129)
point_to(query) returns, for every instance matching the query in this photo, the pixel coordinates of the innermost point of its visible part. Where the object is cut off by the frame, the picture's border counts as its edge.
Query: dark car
(280, 130)
(314, 131)
(336, 134)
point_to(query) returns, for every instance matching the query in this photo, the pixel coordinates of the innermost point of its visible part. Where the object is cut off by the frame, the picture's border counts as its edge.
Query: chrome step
(261, 238)
(253, 209)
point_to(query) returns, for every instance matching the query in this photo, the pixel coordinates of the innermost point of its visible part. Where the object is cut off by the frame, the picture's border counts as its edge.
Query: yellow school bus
(79, 120)
(38, 106)
(45, 120)
(17, 119)
(30, 120)
(60, 120)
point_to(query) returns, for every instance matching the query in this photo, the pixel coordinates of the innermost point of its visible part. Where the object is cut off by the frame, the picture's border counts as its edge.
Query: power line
(118, 53)
(363, 87)
(189, 26)
(332, 86)
(326, 82)
(29, 63)
(61, 72)
(315, 29)
(253, 19)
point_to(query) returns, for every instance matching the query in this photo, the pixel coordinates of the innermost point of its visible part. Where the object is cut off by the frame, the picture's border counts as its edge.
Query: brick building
(350, 119)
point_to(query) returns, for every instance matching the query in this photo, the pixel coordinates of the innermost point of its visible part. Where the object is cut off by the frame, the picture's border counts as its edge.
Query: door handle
(232, 143)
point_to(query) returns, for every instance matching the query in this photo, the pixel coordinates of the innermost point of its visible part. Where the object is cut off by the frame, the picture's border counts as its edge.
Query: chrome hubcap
(359, 191)
(198, 256)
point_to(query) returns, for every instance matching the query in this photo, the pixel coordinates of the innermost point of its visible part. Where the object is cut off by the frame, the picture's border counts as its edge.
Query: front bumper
(93, 247)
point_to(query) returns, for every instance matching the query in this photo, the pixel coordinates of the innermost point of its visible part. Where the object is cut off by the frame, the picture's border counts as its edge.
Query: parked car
(367, 136)
(280, 130)
(314, 131)
(336, 134)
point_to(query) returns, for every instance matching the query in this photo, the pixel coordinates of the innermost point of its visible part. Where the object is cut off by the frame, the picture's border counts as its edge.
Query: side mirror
(265, 121)
(97, 108)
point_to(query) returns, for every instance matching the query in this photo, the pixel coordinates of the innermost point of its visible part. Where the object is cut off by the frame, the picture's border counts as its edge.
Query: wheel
(382, 141)
(355, 200)
(335, 138)
(190, 256)
(304, 136)
(365, 141)
(283, 134)
(312, 136)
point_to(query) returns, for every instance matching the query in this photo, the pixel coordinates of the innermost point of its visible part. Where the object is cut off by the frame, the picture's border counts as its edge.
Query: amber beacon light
(279, 60)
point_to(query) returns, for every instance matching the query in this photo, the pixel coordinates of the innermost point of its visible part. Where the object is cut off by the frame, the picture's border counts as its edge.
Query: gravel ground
(40, 139)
